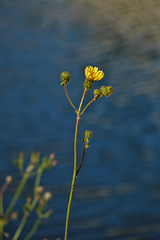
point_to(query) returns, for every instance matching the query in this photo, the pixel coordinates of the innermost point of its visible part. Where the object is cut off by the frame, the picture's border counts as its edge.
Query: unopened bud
(8, 179)
(41, 202)
(54, 163)
(29, 199)
(87, 84)
(47, 196)
(39, 189)
(35, 157)
(65, 77)
(14, 216)
(6, 234)
(107, 90)
(88, 134)
(97, 93)
(52, 155)
(21, 155)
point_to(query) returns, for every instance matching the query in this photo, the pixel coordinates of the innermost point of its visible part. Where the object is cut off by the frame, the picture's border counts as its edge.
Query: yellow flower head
(93, 74)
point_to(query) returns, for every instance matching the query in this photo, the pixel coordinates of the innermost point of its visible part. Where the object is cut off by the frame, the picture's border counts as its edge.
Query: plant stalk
(24, 219)
(87, 106)
(65, 88)
(80, 165)
(17, 194)
(75, 167)
(73, 179)
(33, 229)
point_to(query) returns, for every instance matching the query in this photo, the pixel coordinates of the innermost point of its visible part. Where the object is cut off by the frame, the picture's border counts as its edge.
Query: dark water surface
(118, 188)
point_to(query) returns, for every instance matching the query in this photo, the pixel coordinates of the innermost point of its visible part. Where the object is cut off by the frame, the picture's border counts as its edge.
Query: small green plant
(92, 74)
(37, 202)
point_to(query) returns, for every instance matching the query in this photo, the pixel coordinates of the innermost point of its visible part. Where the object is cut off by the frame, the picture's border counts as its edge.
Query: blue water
(118, 189)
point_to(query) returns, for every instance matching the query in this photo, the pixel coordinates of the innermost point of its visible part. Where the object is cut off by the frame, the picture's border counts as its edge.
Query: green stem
(87, 106)
(37, 181)
(73, 180)
(75, 167)
(1, 204)
(80, 165)
(2, 190)
(80, 105)
(24, 219)
(21, 226)
(33, 204)
(1, 208)
(17, 194)
(1, 231)
(33, 229)
(65, 88)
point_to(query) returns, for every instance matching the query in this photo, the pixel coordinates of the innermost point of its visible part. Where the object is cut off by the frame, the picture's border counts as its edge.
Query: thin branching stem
(80, 165)
(87, 106)
(73, 180)
(33, 229)
(24, 219)
(65, 88)
(32, 206)
(1, 230)
(2, 190)
(17, 194)
(75, 167)
(37, 181)
(80, 105)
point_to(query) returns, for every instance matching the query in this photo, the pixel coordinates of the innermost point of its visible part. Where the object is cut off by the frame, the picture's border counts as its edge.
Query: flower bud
(87, 84)
(27, 207)
(6, 234)
(54, 163)
(65, 77)
(97, 93)
(8, 179)
(88, 134)
(107, 90)
(29, 199)
(52, 155)
(47, 196)
(39, 189)
(14, 215)
(35, 157)
(19, 162)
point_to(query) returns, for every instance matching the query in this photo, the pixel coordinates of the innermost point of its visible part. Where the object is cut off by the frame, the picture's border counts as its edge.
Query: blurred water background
(118, 188)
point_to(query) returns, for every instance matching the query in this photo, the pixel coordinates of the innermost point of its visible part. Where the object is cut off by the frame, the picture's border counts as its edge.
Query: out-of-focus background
(118, 189)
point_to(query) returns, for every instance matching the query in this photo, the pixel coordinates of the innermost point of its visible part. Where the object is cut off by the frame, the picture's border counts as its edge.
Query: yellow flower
(93, 74)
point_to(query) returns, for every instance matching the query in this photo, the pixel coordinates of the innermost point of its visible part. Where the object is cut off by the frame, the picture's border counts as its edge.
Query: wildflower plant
(38, 200)
(92, 74)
